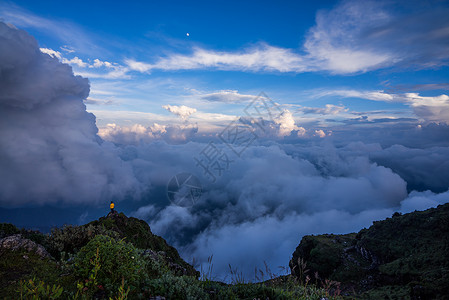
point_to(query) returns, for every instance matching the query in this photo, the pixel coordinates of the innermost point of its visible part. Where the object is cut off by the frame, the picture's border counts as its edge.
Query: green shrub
(156, 266)
(138, 233)
(21, 265)
(8, 229)
(32, 289)
(172, 287)
(70, 239)
(104, 262)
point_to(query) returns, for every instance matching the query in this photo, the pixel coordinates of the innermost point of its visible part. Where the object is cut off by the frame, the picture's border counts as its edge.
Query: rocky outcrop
(17, 243)
(118, 226)
(403, 256)
(369, 256)
(138, 232)
(163, 258)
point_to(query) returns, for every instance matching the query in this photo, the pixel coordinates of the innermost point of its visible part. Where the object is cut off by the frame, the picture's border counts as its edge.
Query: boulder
(16, 243)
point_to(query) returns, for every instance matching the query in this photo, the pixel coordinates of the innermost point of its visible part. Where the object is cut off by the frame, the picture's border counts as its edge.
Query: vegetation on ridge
(117, 257)
(402, 257)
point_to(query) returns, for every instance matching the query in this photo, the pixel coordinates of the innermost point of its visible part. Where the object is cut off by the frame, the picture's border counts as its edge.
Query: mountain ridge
(406, 256)
(402, 257)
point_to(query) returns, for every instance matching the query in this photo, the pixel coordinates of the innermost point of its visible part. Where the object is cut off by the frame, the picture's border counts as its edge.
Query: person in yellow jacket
(112, 206)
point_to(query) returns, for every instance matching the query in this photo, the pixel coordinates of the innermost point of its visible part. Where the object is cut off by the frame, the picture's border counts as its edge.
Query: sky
(233, 128)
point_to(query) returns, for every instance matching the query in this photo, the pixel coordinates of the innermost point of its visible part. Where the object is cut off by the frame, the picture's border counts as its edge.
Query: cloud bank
(50, 151)
(138, 134)
(428, 109)
(274, 194)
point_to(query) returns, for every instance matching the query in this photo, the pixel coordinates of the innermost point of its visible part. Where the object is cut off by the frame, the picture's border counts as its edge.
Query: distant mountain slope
(405, 256)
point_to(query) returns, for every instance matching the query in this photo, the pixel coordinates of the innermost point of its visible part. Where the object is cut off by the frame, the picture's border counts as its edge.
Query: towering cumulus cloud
(49, 149)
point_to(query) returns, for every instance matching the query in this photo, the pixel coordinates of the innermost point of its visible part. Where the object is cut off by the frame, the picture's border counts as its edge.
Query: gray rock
(17, 242)
(161, 256)
(369, 256)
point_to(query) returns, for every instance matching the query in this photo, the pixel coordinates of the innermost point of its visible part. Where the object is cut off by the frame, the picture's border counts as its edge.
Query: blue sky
(364, 57)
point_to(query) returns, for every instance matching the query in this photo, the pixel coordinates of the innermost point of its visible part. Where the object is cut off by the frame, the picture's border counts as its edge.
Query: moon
(188, 34)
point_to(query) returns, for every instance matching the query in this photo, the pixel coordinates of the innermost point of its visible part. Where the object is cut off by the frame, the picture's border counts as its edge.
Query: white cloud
(227, 96)
(423, 201)
(352, 37)
(276, 237)
(259, 58)
(416, 100)
(138, 134)
(301, 132)
(95, 101)
(334, 45)
(75, 61)
(273, 188)
(286, 124)
(67, 49)
(130, 134)
(50, 150)
(138, 66)
(369, 95)
(422, 168)
(429, 109)
(276, 194)
(279, 126)
(51, 52)
(98, 64)
(266, 58)
(329, 109)
(117, 72)
(182, 111)
(359, 36)
(320, 133)
(114, 70)
(271, 240)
